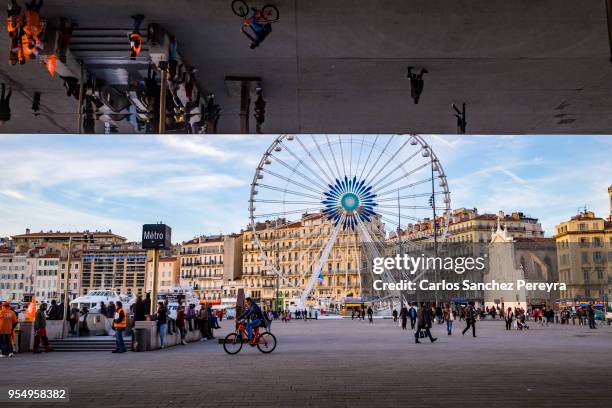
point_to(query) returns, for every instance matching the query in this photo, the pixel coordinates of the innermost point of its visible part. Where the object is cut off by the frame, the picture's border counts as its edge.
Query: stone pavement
(342, 363)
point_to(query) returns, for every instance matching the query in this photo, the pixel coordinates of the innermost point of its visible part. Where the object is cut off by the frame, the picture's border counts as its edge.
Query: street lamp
(86, 238)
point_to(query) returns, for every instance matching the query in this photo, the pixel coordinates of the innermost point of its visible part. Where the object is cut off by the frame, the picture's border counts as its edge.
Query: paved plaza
(343, 363)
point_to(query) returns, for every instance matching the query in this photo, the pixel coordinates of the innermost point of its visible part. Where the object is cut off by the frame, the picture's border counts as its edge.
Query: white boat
(92, 299)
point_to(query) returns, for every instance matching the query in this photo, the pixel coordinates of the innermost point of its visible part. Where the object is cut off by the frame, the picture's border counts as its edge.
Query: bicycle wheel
(232, 343)
(266, 343)
(270, 13)
(240, 8)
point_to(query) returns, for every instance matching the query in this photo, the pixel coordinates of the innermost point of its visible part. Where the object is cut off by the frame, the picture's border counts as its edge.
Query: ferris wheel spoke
(405, 186)
(286, 202)
(306, 166)
(378, 158)
(315, 161)
(351, 156)
(407, 217)
(368, 159)
(287, 191)
(360, 150)
(289, 180)
(392, 158)
(333, 157)
(411, 172)
(331, 172)
(342, 154)
(280, 214)
(411, 207)
(296, 171)
(410, 196)
(396, 168)
(318, 270)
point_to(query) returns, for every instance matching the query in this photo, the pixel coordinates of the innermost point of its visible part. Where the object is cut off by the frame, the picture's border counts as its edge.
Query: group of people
(26, 29)
(424, 315)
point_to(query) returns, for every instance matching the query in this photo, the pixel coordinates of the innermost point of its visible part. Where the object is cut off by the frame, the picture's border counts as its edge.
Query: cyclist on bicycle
(255, 316)
(260, 27)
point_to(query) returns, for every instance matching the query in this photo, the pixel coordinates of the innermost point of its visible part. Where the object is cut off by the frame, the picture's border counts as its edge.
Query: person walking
(40, 329)
(404, 316)
(162, 322)
(591, 317)
(54, 312)
(74, 319)
(139, 311)
(8, 321)
(509, 317)
(470, 319)
(424, 319)
(110, 310)
(119, 324)
(204, 322)
(412, 312)
(370, 315)
(180, 323)
(394, 315)
(447, 315)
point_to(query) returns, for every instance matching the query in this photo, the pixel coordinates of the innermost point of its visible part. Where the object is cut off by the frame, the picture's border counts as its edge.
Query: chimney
(28, 230)
(501, 215)
(610, 194)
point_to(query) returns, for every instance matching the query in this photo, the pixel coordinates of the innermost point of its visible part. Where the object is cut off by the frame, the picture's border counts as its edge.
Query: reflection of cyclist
(260, 27)
(255, 316)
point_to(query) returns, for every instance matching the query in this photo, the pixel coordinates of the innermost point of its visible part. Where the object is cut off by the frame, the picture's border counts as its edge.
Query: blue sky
(200, 184)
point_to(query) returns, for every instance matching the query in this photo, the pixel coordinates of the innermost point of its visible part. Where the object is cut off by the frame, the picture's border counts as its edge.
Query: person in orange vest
(119, 324)
(136, 37)
(14, 27)
(8, 321)
(33, 24)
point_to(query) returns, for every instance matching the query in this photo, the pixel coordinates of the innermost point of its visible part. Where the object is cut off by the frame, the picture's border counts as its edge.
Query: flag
(31, 310)
(51, 64)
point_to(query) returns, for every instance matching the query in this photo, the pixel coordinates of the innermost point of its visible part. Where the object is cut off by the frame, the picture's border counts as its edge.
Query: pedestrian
(74, 319)
(509, 317)
(404, 316)
(394, 315)
(370, 315)
(180, 323)
(147, 303)
(424, 319)
(8, 322)
(470, 319)
(447, 315)
(54, 312)
(119, 324)
(412, 312)
(110, 312)
(40, 329)
(591, 317)
(190, 317)
(439, 313)
(363, 313)
(65, 33)
(203, 322)
(162, 322)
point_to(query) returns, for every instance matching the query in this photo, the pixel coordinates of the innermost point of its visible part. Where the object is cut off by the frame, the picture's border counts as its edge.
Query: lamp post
(87, 238)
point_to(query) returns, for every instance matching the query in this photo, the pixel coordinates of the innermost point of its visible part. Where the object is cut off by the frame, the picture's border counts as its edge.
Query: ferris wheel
(364, 191)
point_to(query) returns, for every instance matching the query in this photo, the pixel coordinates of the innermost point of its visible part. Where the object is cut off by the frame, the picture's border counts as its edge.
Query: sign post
(156, 237)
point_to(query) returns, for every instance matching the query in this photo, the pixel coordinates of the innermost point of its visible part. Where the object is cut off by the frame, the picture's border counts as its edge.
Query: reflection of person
(135, 36)
(260, 28)
(416, 83)
(5, 101)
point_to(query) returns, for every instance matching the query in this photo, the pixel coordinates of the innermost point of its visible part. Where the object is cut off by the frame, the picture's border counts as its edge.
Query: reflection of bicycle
(267, 14)
(265, 342)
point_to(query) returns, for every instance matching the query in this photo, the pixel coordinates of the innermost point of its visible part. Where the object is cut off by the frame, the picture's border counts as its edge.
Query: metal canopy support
(245, 104)
(243, 87)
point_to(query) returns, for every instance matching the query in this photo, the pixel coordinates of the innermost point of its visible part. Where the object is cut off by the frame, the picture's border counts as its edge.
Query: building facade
(584, 254)
(121, 268)
(206, 262)
(58, 240)
(168, 272)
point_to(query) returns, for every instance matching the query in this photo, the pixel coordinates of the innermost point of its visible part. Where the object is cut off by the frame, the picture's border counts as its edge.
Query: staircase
(106, 47)
(94, 343)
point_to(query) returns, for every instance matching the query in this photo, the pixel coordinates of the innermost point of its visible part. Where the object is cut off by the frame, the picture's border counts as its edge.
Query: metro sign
(156, 236)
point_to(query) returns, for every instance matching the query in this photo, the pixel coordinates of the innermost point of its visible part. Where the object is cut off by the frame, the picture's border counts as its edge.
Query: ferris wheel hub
(350, 202)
